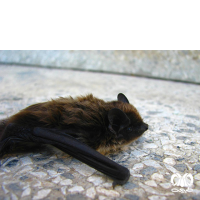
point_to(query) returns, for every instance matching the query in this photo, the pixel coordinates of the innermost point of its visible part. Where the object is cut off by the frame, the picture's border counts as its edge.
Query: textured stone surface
(176, 65)
(171, 145)
(197, 168)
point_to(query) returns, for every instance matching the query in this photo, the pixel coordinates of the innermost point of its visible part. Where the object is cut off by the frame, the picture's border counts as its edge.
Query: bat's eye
(129, 129)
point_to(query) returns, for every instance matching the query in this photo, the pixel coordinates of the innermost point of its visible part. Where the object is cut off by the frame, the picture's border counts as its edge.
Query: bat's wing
(75, 148)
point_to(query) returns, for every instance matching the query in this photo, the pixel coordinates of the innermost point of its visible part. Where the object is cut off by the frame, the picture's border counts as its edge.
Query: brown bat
(81, 127)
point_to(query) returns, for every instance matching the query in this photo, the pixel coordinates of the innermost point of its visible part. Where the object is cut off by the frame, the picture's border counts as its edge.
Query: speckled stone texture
(174, 65)
(170, 146)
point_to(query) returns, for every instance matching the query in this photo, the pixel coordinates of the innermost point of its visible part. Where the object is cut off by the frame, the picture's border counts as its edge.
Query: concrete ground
(170, 146)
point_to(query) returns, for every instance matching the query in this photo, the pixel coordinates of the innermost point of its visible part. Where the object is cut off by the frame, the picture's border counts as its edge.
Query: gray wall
(173, 65)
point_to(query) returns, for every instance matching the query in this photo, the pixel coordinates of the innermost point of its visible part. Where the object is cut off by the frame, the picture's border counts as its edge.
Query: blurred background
(171, 65)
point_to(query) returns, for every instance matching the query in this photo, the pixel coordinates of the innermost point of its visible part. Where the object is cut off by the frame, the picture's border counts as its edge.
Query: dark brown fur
(84, 117)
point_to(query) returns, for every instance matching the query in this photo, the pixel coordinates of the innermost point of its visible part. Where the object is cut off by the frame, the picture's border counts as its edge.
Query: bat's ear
(117, 120)
(122, 97)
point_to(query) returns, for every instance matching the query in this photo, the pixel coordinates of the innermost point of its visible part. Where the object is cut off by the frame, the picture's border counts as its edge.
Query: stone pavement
(170, 146)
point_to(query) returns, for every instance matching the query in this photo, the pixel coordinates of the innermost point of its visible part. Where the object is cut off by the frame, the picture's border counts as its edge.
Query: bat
(85, 127)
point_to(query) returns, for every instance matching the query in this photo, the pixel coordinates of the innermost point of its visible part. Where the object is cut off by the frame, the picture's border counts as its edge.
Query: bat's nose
(144, 127)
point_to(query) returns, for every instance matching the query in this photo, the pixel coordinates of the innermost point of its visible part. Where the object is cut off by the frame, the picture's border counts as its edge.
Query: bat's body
(89, 121)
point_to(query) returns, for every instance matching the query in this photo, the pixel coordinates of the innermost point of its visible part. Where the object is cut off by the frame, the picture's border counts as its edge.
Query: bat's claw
(114, 184)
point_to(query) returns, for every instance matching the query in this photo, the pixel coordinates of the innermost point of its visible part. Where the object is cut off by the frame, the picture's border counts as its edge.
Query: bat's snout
(144, 127)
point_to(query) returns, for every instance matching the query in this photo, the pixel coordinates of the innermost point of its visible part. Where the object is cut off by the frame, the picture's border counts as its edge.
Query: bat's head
(125, 122)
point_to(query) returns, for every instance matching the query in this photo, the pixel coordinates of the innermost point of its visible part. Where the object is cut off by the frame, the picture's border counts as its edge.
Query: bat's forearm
(83, 153)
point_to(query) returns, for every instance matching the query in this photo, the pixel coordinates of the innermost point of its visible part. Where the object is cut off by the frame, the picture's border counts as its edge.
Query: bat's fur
(86, 118)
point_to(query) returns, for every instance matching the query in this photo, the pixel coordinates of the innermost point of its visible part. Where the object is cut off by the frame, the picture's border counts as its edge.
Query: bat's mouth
(140, 131)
